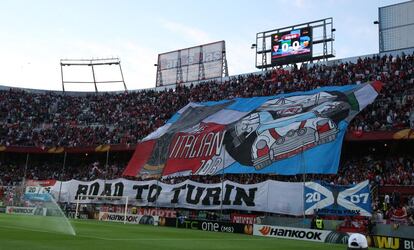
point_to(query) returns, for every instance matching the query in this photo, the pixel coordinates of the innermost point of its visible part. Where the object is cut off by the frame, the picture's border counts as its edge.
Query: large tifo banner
(284, 134)
(268, 196)
(326, 199)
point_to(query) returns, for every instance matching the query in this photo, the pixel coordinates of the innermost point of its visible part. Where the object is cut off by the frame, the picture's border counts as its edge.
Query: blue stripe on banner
(174, 118)
(344, 88)
(248, 104)
(212, 103)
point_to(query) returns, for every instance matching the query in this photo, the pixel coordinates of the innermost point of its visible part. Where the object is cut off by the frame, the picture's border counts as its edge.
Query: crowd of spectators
(56, 119)
(392, 209)
(381, 171)
(12, 172)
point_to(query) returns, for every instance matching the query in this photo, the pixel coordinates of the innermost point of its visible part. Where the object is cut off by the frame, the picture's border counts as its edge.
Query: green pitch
(104, 235)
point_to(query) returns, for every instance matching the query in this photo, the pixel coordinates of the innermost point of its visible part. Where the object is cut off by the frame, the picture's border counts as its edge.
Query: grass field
(25, 232)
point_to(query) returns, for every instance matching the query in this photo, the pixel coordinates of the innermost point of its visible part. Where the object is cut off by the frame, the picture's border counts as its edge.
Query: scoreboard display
(291, 46)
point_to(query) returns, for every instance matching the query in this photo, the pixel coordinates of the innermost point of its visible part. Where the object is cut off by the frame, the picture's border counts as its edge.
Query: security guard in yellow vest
(319, 223)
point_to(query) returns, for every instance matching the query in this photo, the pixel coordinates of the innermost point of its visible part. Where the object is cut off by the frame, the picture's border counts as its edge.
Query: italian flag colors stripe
(365, 95)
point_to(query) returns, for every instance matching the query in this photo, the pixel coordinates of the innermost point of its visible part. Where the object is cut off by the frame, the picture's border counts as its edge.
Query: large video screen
(207, 58)
(292, 46)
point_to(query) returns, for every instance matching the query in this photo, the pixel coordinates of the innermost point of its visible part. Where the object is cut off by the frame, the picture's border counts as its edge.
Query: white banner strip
(269, 196)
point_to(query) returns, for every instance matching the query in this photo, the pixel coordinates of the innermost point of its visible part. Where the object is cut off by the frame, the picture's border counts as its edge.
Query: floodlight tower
(92, 63)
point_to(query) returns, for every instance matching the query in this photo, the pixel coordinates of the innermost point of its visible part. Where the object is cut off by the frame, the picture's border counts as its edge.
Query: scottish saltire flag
(326, 199)
(286, 134)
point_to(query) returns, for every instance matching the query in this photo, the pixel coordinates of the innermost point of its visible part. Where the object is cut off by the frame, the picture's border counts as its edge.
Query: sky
(35, 35)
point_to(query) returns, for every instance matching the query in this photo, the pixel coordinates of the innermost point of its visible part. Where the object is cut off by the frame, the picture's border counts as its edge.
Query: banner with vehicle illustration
(287, 134)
